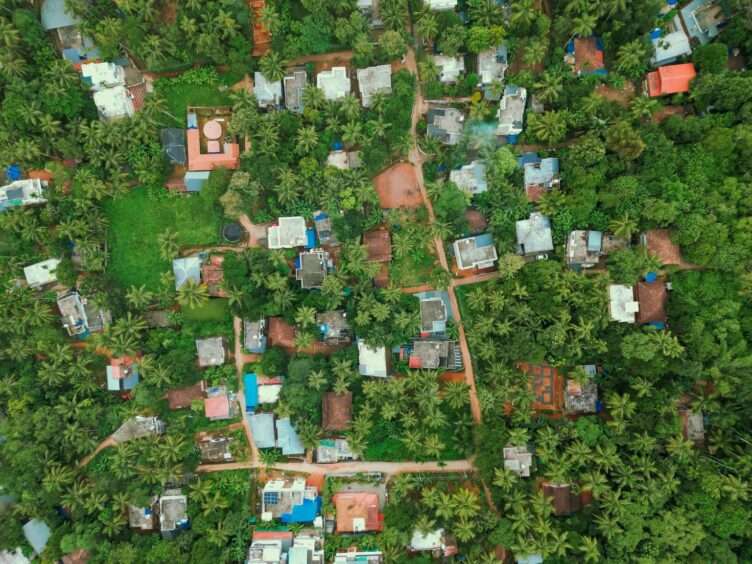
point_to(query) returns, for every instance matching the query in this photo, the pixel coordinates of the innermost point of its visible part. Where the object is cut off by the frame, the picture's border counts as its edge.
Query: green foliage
(273, 362)
(711, 58)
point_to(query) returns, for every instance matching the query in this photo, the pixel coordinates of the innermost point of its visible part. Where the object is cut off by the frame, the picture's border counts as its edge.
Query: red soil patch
(622, 96)
(477, 220)
(397, 187)
(547, 385)
(667, 112)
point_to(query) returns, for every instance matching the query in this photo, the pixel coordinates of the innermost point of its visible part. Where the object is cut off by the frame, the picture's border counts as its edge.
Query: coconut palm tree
(549, 87)
(303, 340)
(464, 530)
(588, 546)
(405, 143)
(631, 55)
(523, 13)
(307, 139)
(214, 502)
(350, 107)
(139, 296)
(432, 446)
(317, 380)
(272, 66)
(550, 127)
(478, 110)
(168, 244)
(623, 226)
(643, 107)
(305, 316)
(393, 13)
(485, 12)
(584, 24)
(284, 298)
(534, 53)
(352, 133)
(551, 202)
(270, 18)
(192, 294)
(313, 97)
(428, 26)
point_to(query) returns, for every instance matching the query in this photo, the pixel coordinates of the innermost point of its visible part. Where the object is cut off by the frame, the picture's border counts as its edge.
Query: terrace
(209, 143)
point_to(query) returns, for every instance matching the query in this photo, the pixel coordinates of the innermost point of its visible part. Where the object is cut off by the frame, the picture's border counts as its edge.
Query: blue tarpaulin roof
(194, 180)
(484, 240)
(304, 513)
(262, 426)
(651, 277)
(54, 15)
(594, 241)
(250, 385)
(310, 239)
(37, 533)
(13, 172)
(528, 158)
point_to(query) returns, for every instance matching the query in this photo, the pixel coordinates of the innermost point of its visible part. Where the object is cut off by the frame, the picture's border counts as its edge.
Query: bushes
(711, 58)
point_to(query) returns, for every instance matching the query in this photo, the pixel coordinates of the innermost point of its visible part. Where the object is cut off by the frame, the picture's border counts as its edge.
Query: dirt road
(240, 359)
(355, 467)
(107, 443)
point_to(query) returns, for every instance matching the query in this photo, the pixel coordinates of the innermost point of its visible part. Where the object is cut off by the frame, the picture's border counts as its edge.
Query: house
(357, 556)
(585, 248)
(471, 178)
(208, 140)
(211, 351)
(670, 79)
(291, 501)
(441, 4)
(564, 501)
(652, 299)
(173, 145)
(183, 398)
(114, 103)
(432, 355)
(370, 9)
(173, 513)
(333, 450)
(433, 316)
(311, 269)
(268, 94)
(41, 274)
(372, 80)
(511, 112)
(215, 447)
(101, 76)
(294, 85)
(138, 427)
(585, 55)
(142, 518)
(268, 389)
(55, 16)
(185, 269)
(333, 328)
(693, 426)
(212, 275)
(658, 242)
(379, 245)
(269, 547)
(434, 541)
(373, 361)
(324, 229)
(541, 176)
(36, 533)
(621, 303)
(307, 548)
(219, 403)
(446, 124)
(492, 66)
(336, 410)
(534, 235)
(122, 374)
(669, 47)
(262, 427)
(357, 512)
(28, 192)
(450, 68)
(78, 319)
(518, 459)
(288, 233)
(287, 438)
(704, 19)
(254, 335)
(334, 83)
(475, 252)
(344, 160)
(582, 398)
(62, 27)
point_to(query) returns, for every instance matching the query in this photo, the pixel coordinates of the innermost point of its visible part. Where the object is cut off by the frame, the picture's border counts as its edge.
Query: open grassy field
(135, 223)
(212, 310)
(181, 96)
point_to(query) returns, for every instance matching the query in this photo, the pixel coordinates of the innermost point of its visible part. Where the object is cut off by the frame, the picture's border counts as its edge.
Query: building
(173, 145)
(336, 410)
(372, 80)
(219, 403)
(211, 351)
(254, 335)
(269, 547)
(652, 299)
(621, 303)
(373, 361)
(268, 94)
(534, 236)
(41, 274)
(446, 124)
(344, 160)
(582, 398)
(287, 438)
(173, 513)
(333, 328)
(518, 459)
(565, 502)
(268, 389)
(37, 533)
(333, 450)
(432, 355)
(294, 85)
(28, 192)
(450, 68)
(541, 176)
(334, 83)
(311, 269)
(584, 248)
(79, 317)
(185, 269)
(114, 103)
(288, 233)
(142, 518)
(511, 112)
(213, 275)
(433, 316)
(101, 76)
(585, 55)
(122, 374)
(693, 426)
(359, 557)
(492, 66)
(324, 229)
(370, 9)
(441, 4)
(475, 252)
(215, 447)
(670, 79)
(470, 178)
(669, 47)
(379, 245)
(435, 542)
(307, 548)
(704, 19)
(291, 501)
(208, 140)
(262, 427)
(138, 427)
(658, 242)
(357, 512)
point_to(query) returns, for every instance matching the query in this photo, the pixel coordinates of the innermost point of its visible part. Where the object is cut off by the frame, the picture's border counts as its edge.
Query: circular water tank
(232, 232)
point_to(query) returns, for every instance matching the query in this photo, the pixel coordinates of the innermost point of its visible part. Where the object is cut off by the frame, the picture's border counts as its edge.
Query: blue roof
(656, 33)
(194, 180)
(532, 559)
(288, 439)
(304, 513)
(310, 239)
(130, 382)
(250, 385)
(512, 139)
(118, 384)
(528, 158)
(658, 324)
(594, 241)
(484, 240)
(185, 269)
(262, 427)
(192, 121)
(54, 15)
(87, 52)
(651, 277)
(13, 172)
(570, 46)
(320, 216)
(37, 533)
(337, 145)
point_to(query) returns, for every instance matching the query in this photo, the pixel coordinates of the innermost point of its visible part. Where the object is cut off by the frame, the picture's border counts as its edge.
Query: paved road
(383, 467)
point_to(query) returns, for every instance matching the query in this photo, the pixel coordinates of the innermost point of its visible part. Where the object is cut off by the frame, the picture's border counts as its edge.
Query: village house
(212, 275)
(441, 4)
(670, 79)
(209, 144)
(372, 80)
(254, 335)
(582, 398)
(540, 175)
(183, 398)
(693, 425)
(336, 411)
(379, 245)
(262, 427)
(370, 10)
(184, 269)
(211, 351)
(268, 94)
(61, 25)
(652, 299)
(585, 249)
(432, 355)
(534, 236)
(585, 55)
(359, 557)
(622, 305)
(290, 501)
(307, 548)
(450, 68)
(269, 547)
(373, 361)
(324, 228)
(288, 233)
(334, 83)
(433, 316)
(107, 82)
(511, 112)
(138, 427)
(475, 252)
(142, 518)
(294, 84)
(81, 318)
(122, 374)
(434, 542)
(669, 46)
(333, 328)
(470, 178)
(357, 512)
(287, 438)
(219, 403)
(446, 124)
(330, 451)
(704, 19)
(267, 389)
(518, 459)
(28, 192)
(215, 447)
(173, 513)
(36, 533)
(41, 274)
(311, 269)
(344, 160)
(565, 502)
(492, 66)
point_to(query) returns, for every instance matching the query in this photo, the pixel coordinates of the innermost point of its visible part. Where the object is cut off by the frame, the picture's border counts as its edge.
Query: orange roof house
(207, 141)
(670, 79)
(212, 275)
(218, 407)
(357, 512)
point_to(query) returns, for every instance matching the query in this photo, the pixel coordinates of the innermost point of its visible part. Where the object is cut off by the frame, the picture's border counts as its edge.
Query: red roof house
(670, 79)
(357, 512)
(217, 408)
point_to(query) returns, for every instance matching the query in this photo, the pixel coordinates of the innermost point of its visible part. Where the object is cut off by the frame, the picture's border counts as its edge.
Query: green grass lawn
(461, 292)
(135, 223)
(181, 96)
(408, 272)
(212, 310)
